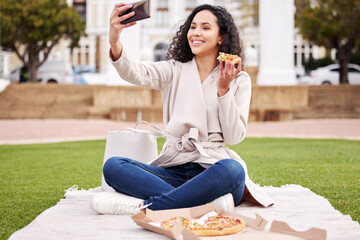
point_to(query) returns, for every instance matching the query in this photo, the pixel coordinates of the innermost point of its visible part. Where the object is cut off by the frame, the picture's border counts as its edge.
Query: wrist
(222, 91)
(115, 50)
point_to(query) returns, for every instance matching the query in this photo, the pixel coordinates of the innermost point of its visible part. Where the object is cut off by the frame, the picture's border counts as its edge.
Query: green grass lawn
(34, 177)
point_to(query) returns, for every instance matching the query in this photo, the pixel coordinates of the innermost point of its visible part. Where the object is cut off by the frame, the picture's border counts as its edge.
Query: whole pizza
(212, 226)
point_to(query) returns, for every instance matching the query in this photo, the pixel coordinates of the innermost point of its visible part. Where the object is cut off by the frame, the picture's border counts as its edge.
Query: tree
(29, 27)
(332, 24)
(249, 13)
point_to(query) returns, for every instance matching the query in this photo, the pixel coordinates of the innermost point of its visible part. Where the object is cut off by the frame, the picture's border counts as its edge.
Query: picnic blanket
(72, 218)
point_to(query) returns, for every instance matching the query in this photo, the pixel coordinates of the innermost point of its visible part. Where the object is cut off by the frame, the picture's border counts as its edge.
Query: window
(81, 56)
(80, 7)
(353, 70)
(160, 51)
(190, 5)
(162, 13)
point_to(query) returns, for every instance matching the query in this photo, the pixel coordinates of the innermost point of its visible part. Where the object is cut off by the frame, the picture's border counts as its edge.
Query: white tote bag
(134, 143)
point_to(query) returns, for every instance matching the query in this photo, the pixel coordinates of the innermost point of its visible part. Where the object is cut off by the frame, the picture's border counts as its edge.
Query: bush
(313, 64)
(355, 57)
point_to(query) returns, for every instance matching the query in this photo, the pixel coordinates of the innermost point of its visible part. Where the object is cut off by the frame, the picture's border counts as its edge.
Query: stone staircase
(38, 101)
(283, 103)
(331, 102)
(130, 103)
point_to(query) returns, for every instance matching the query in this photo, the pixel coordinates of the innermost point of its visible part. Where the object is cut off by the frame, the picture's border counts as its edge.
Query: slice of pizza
(231, 58)
(213, 225)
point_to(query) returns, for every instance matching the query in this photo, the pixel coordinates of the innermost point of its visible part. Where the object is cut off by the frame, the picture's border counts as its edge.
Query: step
(327, 112)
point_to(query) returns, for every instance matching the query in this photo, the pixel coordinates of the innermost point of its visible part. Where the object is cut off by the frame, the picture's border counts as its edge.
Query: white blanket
(72, 218)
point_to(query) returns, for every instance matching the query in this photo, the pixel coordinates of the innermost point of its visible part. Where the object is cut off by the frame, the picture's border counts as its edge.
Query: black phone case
(141, 9)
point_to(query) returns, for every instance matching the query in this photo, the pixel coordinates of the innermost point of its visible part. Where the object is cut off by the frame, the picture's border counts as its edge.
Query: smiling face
(203, 35)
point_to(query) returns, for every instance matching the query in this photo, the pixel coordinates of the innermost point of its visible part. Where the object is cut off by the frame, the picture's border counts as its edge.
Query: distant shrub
(355, 57)
(313, 64)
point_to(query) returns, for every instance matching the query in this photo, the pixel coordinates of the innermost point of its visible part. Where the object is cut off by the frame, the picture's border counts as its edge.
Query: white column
(92, 51)
(179, 11)
(75, 56)
(315, 52)
(298, 55)
(298, 42)
(153, 18)
(67, 53)
(307, 51)
(6, 60)
(333, 54)
(276, 43)
(89, 14)
(41, 55)
(299, 69)
(83, 54)
(172, 12)
(100, 12)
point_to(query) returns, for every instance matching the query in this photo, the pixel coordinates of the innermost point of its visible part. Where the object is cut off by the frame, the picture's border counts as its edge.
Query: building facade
(149, 39)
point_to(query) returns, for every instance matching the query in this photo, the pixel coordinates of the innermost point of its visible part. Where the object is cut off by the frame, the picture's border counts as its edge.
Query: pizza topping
(226, 56)
(208, 225)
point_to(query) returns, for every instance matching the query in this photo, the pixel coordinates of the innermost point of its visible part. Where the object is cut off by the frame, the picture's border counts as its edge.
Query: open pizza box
(254, 227)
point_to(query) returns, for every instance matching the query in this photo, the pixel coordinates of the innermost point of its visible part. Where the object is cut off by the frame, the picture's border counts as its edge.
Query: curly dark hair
(179, 48)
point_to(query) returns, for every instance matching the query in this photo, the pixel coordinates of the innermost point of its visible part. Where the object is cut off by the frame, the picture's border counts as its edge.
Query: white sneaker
(114, 203)
(226, 202)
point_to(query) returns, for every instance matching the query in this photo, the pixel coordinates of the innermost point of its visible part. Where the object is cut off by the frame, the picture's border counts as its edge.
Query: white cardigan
(197, 122)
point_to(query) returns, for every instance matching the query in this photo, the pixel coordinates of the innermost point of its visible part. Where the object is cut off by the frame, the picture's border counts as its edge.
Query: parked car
(17, 75)
(55, 72)
(329, 75)
(83, 69)
(50, 72)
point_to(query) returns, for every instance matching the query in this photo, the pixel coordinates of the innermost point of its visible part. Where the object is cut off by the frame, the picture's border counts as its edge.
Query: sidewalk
(55, 130)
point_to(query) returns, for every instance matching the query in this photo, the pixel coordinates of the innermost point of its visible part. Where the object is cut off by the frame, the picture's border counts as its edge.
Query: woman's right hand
(116, 28)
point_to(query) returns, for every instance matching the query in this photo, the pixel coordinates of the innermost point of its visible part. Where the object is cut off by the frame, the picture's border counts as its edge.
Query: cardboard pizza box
(254, 227)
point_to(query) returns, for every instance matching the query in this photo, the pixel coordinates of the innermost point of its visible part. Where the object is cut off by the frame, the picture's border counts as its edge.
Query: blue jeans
(186, 185)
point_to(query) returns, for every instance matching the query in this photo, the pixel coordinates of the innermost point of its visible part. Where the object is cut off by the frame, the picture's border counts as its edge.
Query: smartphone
(141, 9)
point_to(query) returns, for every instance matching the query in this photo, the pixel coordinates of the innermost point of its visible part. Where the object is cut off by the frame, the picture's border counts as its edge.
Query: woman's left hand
(227, 74)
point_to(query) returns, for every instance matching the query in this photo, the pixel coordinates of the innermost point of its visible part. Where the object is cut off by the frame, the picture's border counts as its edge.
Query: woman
(206, 104)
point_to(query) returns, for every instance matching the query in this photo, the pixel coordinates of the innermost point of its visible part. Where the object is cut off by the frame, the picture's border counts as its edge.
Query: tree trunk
(32, 63)
(97, 54)
(343, 57)
(33, 74)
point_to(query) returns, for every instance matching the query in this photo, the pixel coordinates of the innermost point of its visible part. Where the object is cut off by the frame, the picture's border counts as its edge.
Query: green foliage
(330, 22)
(31, 26)
(313, 64)
(34, 177)
(355, 57)
(333, 24)
(249, 12)
(39, 22)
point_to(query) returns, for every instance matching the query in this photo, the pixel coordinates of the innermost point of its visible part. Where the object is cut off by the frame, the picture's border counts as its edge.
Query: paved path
(51, 130)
